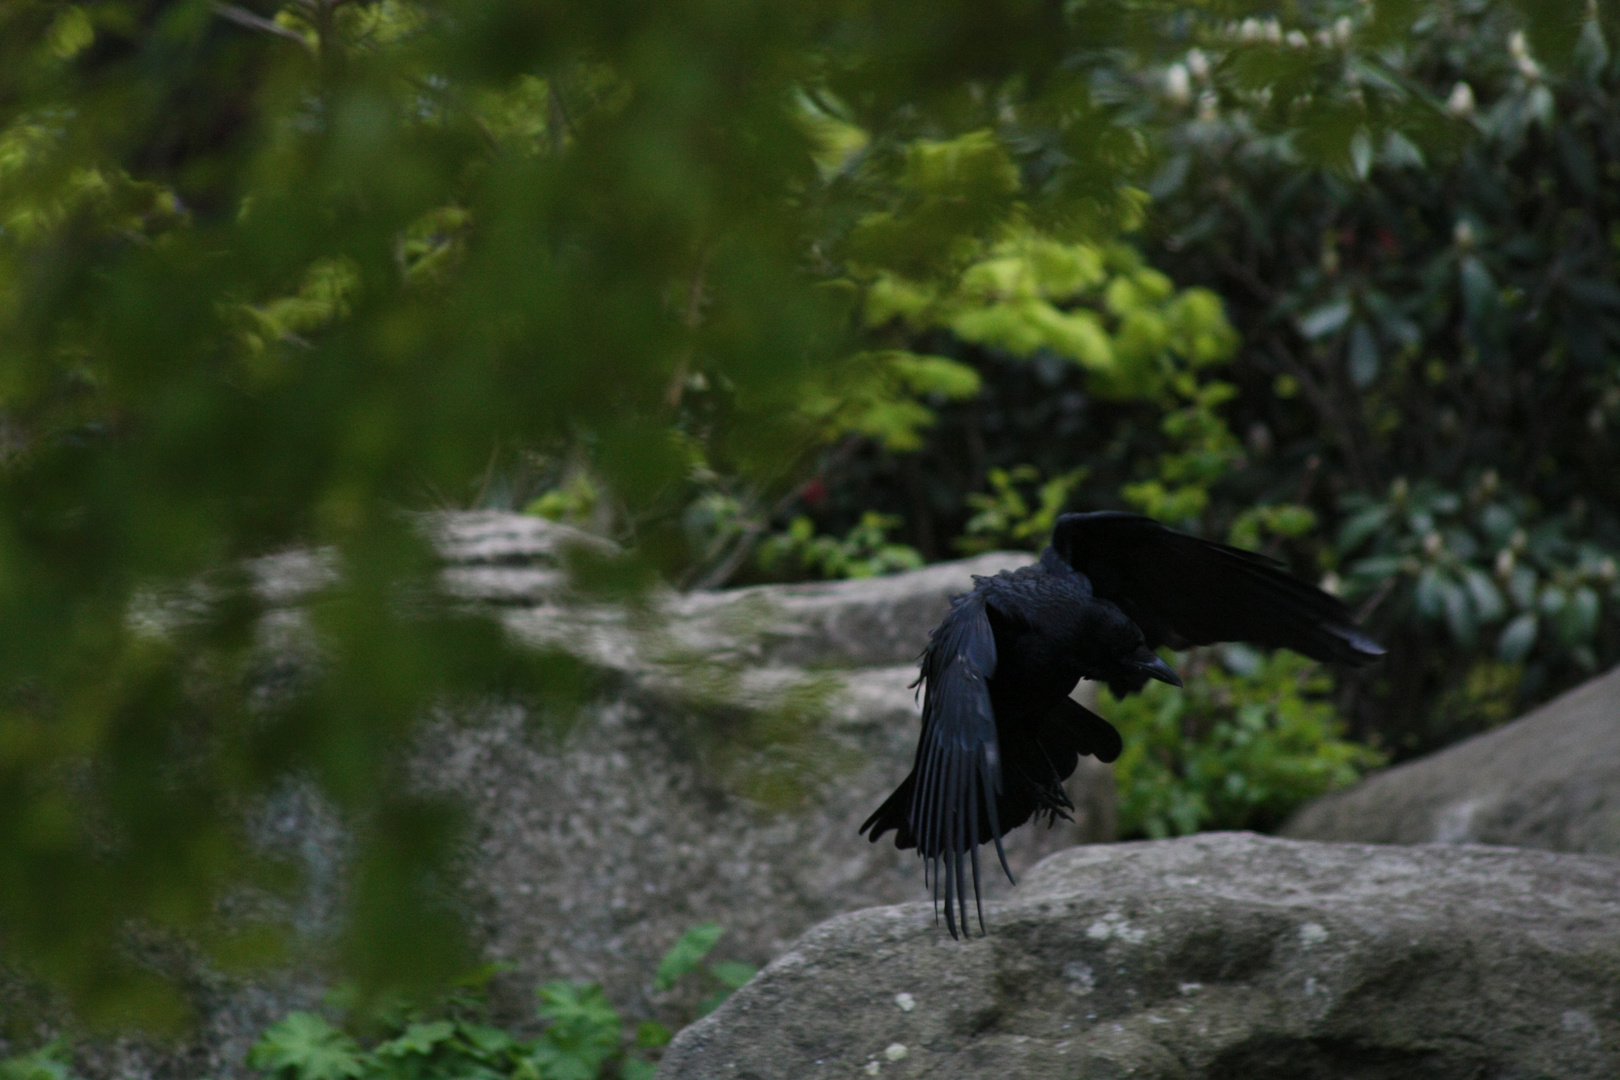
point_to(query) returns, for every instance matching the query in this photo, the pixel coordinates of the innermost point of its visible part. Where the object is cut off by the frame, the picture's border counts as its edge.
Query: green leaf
(1361, 153)
(304, 1046)
(973, 166)
(1478, 288)
(1518, 638)
(635, 1068)
(1430, 593)
(1322, 321)
(49, 1062)
(935, 375)
(583, 1031)
(418, 1039)
(487, 1042)
(71, 32)
(650, 1033)
(687, 952)
(1355, 531)
(1577, 620)
(1488, 601)
(1459, 613)
(1363, 354)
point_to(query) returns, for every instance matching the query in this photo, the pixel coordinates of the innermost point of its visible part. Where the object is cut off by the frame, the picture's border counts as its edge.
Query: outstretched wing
(1182, 590)
(950, 796)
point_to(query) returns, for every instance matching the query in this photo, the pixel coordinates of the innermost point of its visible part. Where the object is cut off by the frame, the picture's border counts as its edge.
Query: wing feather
(956, 778)
(1183, 590)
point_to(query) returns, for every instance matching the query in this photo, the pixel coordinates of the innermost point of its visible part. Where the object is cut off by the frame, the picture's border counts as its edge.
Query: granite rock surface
(1549, 780)
(1225, 956)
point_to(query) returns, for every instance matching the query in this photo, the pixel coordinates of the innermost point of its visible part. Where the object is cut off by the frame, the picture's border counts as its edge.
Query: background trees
(275, 275)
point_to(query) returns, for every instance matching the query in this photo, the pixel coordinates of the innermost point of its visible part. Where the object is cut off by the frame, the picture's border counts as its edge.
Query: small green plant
(306, 1046)
(1287, 521)
(584, 1037)
(571, 502)
(1249, 739)
(864, 552)
(582, 1033)
(686, 957)
(1005, 518)
(49, 1062)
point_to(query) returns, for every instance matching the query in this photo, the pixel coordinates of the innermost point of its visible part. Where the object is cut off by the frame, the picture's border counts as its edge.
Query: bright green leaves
(325, 295)
(49, 1062)
(1198, 327)
(1025, 325)
(581, 1034)
(1202, 451)
(71, 33)
(972, 168)
(1288, 521)
(1005, 518)
(685, 958)
(686, 954)
(1022, 292)
(1250, 738)
(418, 1038)
(305, 1047)
(835, 141)
(865, 551)
(875, 394)
(948, 194)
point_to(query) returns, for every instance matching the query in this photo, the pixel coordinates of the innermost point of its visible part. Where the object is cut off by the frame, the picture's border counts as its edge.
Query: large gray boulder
(1548, 780)
(1216, 957)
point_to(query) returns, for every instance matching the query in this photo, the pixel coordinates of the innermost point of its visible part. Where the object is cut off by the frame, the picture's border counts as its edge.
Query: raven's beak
(1148, 663)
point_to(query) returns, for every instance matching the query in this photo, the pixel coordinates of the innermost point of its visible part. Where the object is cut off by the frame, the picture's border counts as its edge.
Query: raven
(1000, 733)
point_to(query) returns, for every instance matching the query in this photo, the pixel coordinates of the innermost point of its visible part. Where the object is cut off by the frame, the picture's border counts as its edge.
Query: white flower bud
(1273, 31)
(1198, 64)
(1297, 39)
(1177, 85)
(1250, 30)
(1461, 102)
(1462, 234)
(1341, 31)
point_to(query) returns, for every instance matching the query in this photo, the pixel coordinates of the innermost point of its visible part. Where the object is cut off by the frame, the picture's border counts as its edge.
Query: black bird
(1000, 733)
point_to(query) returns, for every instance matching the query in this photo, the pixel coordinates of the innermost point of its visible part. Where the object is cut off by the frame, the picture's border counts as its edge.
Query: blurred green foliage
(276, 274)
(1007, 519)
(1249, 739)
(863, 552)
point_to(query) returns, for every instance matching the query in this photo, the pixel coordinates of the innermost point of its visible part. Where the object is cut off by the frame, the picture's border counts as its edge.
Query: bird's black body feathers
(1000, 733)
